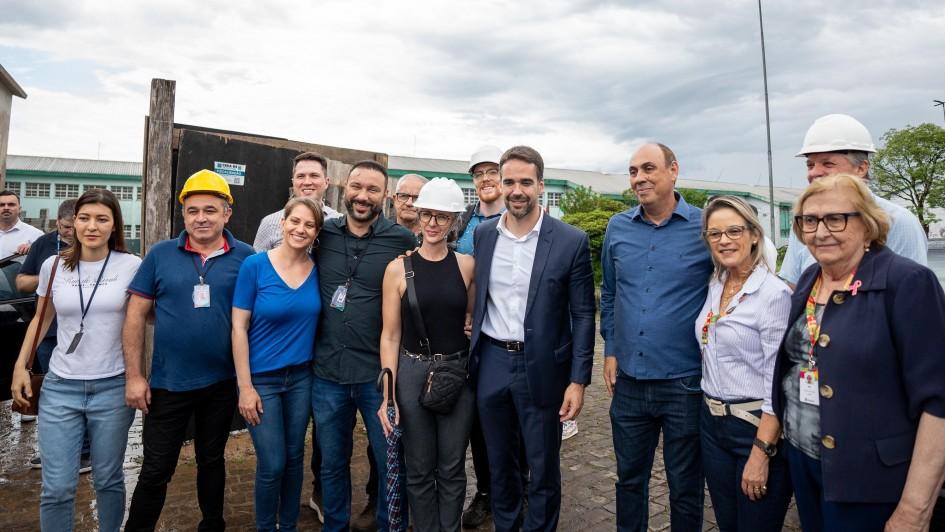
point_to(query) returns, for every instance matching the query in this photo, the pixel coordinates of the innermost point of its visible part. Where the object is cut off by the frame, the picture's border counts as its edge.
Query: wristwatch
(769, 449)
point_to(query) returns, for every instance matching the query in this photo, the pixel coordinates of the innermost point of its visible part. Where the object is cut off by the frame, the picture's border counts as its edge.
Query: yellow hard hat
(208, 182)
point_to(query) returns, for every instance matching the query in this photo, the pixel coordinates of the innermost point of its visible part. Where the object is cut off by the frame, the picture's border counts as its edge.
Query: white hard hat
(441, 194)
(485, 154)
(837, 133)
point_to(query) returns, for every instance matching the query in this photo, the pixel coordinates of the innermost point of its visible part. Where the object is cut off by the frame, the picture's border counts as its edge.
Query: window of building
(137, 231)
(784, 215)
(123, 192)
(470, 196)
(86, 188)
(128, 231)
(66, 191)
(554, 199)
(13, 186)
(37, 190)
(138, 194)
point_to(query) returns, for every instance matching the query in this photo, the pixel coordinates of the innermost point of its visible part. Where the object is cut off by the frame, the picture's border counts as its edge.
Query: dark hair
(8, 192)
(310, 156)
(668, 154)
(66, 209)
(116, 241)
(525, 154)
(370, 165)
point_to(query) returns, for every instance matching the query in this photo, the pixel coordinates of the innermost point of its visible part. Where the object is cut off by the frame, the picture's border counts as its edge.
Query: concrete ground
(588, 471)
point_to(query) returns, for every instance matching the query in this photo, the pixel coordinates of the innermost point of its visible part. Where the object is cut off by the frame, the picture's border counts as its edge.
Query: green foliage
(911, 166)
(696, 198)
(594, 223)
(583, 199)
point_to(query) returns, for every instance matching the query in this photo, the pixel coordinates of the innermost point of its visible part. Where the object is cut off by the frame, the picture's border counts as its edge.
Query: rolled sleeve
(143, 282)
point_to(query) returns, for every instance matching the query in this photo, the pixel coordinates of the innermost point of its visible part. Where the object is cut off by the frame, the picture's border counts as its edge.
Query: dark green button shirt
(347, 349)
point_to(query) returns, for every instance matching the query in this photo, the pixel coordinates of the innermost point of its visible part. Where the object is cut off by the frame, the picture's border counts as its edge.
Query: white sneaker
(26, 419)
(316, 506)
(568, 429)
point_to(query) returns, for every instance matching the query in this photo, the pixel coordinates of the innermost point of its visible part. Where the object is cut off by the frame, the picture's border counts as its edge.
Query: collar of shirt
(752, 284)
(184, 242)
(682, 209)
(478, 212)
(504, 231)
(18, 226)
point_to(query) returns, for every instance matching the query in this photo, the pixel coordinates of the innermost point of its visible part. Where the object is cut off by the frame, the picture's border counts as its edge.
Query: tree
(911, 166)
(594, 223)
(584, 199)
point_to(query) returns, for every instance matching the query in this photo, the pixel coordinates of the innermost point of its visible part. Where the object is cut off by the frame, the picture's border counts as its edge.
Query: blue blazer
(559, 313)
(882, 364)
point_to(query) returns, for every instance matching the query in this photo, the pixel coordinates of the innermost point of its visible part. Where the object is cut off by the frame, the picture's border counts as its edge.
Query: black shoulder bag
(447, 374)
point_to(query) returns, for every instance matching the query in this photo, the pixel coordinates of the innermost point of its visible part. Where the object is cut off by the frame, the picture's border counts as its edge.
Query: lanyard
(711, 318)
(358, 255)
(82, 304)
(201, 272)
(810, 313)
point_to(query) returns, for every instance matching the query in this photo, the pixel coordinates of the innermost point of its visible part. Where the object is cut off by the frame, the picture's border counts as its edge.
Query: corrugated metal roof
(73, 166)
(598, 181)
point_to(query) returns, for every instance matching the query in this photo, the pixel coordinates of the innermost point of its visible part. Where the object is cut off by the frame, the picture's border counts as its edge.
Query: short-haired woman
(739, 329)
(275, 312)
(859, 384)
(84, 388)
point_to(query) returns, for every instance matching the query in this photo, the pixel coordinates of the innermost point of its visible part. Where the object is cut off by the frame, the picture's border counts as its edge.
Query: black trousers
(316, 467)
(477, 442)
(163, 436)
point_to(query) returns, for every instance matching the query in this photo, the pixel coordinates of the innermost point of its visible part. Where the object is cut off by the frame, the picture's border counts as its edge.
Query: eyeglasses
(492, 172)
(402, 197)
(835, 222)
(733, 233)
(441, 219)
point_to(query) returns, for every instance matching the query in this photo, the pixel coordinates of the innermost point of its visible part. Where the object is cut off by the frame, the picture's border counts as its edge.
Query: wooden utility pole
(157, 204)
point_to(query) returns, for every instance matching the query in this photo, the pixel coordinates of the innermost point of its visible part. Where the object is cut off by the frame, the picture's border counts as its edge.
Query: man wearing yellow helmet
(188, 283)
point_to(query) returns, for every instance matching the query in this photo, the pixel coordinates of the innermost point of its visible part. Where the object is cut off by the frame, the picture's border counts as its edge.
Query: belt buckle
(716, 408)
(437, 357)
(515, 346)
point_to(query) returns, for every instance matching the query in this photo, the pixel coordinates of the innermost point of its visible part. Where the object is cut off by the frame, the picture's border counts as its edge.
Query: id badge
(201, 296)
(75, 343)
(810, 384)
(339, 298)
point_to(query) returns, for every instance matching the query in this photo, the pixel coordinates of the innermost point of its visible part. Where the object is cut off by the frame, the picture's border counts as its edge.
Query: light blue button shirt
(906, 238)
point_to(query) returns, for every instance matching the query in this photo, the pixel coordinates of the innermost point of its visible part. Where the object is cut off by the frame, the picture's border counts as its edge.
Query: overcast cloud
(583, 82)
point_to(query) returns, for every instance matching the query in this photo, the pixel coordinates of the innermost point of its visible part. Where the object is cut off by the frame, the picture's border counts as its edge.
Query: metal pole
(940, 103)
(764, 73)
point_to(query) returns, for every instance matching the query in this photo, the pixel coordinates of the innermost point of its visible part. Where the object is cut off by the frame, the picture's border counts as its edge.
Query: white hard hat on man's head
(837, 132)
(485, 154)
(441, 194)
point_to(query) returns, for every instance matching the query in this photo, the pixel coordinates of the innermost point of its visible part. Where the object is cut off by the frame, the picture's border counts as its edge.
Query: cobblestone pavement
(588, 471)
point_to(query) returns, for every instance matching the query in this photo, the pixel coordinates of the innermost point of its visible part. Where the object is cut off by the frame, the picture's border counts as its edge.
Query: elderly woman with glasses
(859, 383)
(739, 329)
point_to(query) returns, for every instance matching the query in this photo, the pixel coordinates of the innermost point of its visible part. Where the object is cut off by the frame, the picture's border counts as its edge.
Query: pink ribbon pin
(855, 286)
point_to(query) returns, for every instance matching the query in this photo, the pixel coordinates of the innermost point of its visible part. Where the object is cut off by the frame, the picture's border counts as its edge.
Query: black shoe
(366, 521)
(479, 511)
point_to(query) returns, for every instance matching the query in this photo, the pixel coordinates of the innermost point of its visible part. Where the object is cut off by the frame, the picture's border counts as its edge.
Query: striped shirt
(741, 348)
(269, 234)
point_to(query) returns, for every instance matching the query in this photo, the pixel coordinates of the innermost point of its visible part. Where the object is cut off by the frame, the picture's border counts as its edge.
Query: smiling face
(733, 254)
(486, 181)
(300, 228)
(364, 194)
(833, 163)
(94, 224)
(435, 225)
(834, 247)
(521, 187)
(309, 179)
(205, 215)
(651, 179)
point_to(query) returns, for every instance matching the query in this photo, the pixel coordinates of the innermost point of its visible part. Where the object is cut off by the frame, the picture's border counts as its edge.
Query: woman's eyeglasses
(733, 233)
(835, 222)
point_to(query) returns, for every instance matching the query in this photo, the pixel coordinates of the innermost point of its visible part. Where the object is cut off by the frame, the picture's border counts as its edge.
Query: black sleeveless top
(441, 294)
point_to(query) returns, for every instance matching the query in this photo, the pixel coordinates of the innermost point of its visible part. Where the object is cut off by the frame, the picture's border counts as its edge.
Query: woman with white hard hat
(427, 302)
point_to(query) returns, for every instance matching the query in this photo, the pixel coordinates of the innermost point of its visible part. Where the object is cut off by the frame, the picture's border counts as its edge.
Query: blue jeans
(334, 406)
(68, 410)
(279, 439)
(639, 411)
(818, 515)
(726, 443)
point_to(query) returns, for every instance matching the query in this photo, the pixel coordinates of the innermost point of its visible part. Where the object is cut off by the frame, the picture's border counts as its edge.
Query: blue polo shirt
(192, 346)
(465, 244)
(655, 279)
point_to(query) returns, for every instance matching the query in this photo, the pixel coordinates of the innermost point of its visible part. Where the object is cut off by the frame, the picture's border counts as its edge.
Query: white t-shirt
(99, 353)
(20, 233)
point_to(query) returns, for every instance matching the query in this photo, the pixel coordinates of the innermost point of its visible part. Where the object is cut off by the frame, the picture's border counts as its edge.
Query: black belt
(513, 346)
(435, 356)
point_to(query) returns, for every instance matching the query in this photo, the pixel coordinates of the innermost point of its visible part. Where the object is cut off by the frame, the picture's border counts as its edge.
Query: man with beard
(484, 169)
(405, 193)
(532, 342)
(353, 253)
(15, 234)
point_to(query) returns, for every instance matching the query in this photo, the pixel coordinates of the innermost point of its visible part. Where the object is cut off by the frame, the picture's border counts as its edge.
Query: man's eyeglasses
(835, 222)
(733, 233)
(492, 172)
(441, 219)
(402, 197)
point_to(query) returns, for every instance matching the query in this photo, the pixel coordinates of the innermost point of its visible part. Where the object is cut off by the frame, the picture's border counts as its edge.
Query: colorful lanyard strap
(711, 318)
(810, 314)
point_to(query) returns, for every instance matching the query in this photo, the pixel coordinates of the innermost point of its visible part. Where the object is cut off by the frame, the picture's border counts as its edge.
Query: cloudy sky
(584, 82)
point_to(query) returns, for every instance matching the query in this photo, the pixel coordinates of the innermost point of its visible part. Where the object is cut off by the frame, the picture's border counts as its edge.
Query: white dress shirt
(738, 358)
(509, 278)
(20, 233)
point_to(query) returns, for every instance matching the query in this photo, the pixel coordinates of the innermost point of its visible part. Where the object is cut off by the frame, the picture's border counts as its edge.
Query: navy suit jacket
(559, 313)
(881, 366)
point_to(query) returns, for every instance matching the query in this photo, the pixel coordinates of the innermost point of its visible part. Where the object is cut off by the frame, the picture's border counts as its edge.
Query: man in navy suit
(532, 341)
